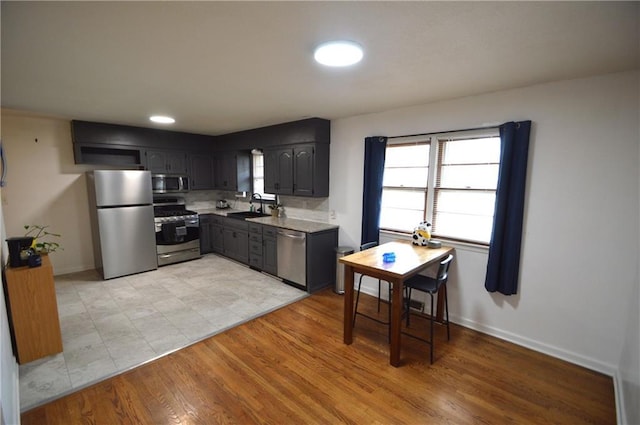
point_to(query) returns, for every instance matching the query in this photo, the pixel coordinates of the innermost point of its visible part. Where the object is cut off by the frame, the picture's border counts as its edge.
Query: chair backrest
(443, 270)
(368, 245)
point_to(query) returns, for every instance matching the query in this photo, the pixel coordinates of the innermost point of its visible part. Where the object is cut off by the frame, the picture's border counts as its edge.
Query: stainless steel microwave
(169, 183)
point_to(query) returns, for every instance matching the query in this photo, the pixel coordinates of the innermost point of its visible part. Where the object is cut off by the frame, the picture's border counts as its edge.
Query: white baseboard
(571, 357)
(68, 270)
(618, 392)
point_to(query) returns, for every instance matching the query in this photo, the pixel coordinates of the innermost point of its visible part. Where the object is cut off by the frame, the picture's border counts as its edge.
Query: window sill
(388, 236)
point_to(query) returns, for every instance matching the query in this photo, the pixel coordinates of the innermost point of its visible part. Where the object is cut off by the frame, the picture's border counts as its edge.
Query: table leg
(348, 304)
(396, 322)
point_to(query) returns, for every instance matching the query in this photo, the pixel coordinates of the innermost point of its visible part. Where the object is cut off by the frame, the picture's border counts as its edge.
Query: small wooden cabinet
(33, 311)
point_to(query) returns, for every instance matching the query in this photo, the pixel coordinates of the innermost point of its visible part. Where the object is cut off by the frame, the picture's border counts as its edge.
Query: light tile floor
(111, 326)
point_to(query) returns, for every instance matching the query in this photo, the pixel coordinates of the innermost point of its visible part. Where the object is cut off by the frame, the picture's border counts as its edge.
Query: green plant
(39, 233)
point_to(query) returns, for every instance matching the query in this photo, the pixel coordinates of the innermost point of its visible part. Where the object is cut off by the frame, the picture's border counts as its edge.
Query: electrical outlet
(332, 214)
(415, 305)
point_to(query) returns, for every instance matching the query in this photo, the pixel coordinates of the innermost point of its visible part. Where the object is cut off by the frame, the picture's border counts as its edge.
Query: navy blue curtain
(503, 265)
(374, 152)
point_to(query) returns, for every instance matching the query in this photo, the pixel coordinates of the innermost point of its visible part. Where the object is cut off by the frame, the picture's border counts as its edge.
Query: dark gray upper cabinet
(296, 154)
(299, 170)
(106, 154)
(278, 170)
(168, 162)
(232, 171)
(95, 133)
(308, 130)
(304, 175)
(201, 171)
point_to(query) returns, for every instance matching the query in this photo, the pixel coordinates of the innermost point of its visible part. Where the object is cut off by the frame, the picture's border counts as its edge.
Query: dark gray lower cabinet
(205, 234)
(217, 238)
(236, 239)
(263, 254)
(269, 250)
(321, 259)
(212, 237)
(256, 245)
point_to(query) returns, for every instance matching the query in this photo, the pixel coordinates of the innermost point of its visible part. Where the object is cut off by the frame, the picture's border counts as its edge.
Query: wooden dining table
(409, 260)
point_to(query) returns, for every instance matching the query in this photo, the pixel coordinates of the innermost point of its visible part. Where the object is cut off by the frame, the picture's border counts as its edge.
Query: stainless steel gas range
(177, 231)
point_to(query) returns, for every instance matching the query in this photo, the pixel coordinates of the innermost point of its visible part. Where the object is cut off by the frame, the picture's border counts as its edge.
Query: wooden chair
(430, 286)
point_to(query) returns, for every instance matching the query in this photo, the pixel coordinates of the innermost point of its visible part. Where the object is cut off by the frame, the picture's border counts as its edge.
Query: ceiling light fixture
(161, 119)
(338, 53)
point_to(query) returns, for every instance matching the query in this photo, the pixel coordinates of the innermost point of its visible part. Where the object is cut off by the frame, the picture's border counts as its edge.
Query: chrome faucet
(258, 196)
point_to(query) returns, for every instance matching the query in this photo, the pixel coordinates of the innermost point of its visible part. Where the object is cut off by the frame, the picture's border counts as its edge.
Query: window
(447, 179)
(258, 175)
(404, 186)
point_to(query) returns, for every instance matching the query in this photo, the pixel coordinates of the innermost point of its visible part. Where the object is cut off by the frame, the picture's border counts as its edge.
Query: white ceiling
(219, 67)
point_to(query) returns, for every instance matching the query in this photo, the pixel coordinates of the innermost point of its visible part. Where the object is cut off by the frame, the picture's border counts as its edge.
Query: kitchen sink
(246, 214)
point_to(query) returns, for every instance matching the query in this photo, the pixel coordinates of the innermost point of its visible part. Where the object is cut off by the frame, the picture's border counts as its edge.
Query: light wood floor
(291, 367)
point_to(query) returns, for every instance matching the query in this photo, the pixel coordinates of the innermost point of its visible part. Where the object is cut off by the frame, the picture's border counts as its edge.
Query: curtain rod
(445, 132)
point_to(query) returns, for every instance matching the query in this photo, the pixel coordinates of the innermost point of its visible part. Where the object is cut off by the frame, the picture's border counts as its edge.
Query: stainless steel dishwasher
(292, 256)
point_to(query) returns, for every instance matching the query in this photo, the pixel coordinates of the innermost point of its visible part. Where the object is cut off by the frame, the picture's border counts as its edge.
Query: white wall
(628, 377)
(44, 186)
(9, 390)
(580, 248)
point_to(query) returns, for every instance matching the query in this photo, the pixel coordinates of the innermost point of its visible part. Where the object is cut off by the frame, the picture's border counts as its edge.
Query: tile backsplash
(315, 209)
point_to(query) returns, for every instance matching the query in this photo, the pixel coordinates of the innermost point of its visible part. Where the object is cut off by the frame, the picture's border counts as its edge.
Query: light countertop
(294, 224)
(218, 211)
(300, 225)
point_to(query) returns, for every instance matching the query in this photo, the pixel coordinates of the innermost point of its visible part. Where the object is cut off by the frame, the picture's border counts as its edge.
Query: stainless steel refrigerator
(121, 203)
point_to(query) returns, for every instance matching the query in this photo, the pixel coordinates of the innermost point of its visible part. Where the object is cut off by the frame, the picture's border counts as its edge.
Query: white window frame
(256, 176)
(433, 140)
